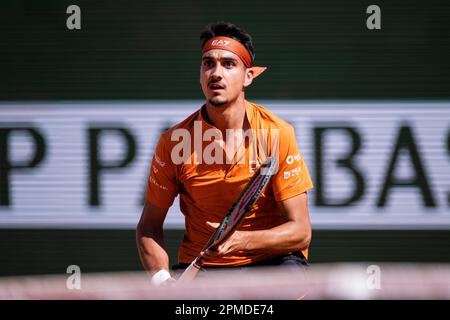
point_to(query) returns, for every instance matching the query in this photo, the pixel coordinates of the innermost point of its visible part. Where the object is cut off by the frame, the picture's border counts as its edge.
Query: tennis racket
(235, 214)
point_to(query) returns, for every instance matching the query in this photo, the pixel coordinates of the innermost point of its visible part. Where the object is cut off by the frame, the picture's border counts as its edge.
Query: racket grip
(189, 274)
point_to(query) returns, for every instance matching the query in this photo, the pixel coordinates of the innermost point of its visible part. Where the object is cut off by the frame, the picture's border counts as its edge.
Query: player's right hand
(168, 283)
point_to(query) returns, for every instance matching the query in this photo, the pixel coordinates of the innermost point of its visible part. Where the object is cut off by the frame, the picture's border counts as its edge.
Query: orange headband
(231, 45)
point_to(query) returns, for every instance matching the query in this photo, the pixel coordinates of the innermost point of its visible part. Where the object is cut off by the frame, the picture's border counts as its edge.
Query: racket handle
(189, 274)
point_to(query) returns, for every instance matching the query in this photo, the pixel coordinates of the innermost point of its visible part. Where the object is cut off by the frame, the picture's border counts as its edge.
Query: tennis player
(207, 160)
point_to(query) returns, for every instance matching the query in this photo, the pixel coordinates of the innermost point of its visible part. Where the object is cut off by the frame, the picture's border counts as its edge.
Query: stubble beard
(217, 103)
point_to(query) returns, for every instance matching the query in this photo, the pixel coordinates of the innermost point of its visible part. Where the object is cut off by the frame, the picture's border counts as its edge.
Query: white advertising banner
(375, 165)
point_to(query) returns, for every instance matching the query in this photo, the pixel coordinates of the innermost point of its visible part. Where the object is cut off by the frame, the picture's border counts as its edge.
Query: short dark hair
(228, 29)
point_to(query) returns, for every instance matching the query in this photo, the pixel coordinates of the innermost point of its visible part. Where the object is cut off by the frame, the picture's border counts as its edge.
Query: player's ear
(249, 75)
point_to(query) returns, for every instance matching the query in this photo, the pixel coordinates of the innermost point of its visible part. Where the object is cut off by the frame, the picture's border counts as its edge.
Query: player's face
(223, 76)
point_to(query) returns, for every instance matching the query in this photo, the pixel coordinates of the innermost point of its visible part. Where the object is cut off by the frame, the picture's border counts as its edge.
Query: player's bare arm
(294, 234)
(150, 239)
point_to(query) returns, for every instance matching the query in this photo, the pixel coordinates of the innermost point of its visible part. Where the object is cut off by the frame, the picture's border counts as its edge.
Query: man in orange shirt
(207, 160)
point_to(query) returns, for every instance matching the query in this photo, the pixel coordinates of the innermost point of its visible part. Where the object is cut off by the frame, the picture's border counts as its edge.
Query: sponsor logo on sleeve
(292, 173)
(160, 186)
(159, 161)
(291, 158)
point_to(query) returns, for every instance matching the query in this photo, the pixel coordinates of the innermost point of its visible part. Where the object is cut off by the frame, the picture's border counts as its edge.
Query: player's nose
(216, 72)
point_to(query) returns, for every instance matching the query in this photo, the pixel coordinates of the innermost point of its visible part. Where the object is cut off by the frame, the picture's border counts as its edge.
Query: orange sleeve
(162, 185)
(292, 177)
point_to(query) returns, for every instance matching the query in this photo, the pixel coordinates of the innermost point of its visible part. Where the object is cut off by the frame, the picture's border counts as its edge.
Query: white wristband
(161, 276)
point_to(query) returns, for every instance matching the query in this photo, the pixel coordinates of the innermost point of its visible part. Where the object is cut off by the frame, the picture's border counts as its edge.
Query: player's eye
(207, 63)
(228, 64)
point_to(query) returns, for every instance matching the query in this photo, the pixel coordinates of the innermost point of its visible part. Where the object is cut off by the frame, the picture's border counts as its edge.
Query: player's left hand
(236, 242)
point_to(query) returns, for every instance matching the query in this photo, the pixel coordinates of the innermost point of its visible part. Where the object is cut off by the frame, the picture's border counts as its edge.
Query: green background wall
(150, 49)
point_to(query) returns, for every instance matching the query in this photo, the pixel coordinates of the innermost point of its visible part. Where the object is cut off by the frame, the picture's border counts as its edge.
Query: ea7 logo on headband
(220, 43)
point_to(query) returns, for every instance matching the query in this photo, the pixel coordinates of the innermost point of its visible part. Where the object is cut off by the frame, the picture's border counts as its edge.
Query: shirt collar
(248, 114)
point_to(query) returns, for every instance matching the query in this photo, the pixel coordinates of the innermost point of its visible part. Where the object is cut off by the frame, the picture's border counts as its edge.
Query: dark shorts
(294, 261)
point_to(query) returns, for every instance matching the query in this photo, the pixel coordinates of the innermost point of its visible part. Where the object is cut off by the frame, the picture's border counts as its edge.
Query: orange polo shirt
(193, 161)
